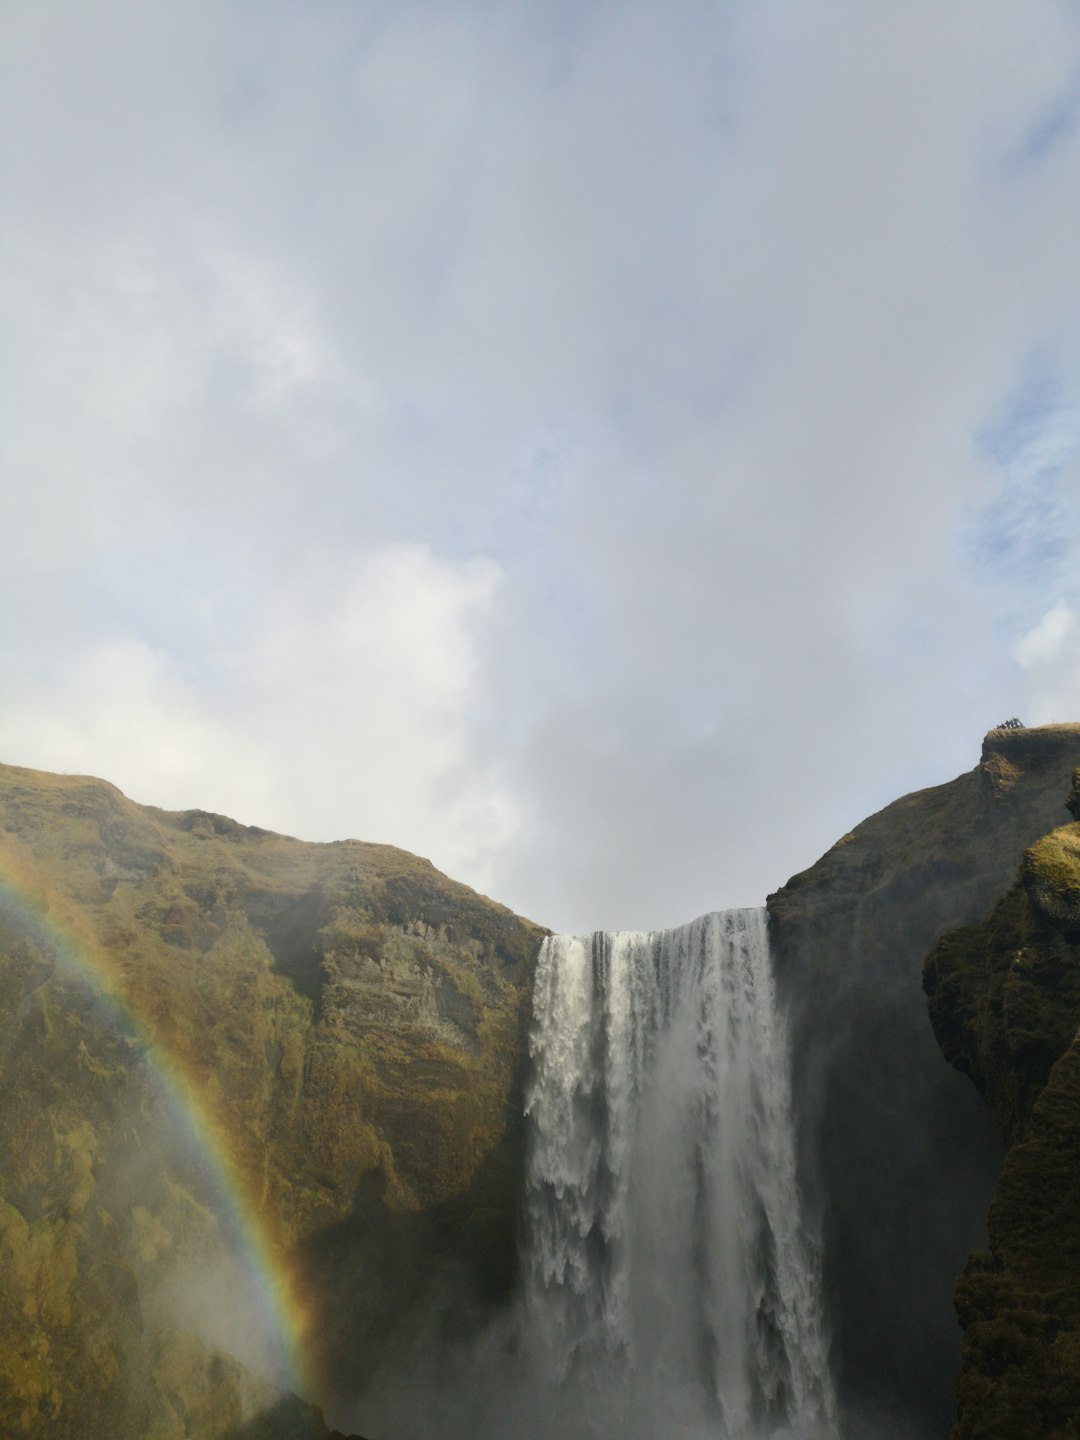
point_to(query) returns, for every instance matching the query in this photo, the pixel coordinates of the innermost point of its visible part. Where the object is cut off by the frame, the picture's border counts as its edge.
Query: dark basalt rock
(1004, 999)
(1072, 803)
(897, 1150)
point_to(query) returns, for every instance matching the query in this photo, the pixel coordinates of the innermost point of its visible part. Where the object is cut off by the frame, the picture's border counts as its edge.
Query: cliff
(261, 1108)
(1004, 999)
(897, 1149)
(254, 1094)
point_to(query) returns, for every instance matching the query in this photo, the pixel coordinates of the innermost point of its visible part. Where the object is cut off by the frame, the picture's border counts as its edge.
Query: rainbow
(285, 1308)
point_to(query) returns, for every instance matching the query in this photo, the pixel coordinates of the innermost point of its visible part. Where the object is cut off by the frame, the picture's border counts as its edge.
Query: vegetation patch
(349, 1020)
(1004, 1001)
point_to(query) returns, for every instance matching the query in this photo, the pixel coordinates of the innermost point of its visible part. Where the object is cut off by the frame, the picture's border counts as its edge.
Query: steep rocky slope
(1004, 999)
(226, 1052)
(255, 1091)
(897, 1150)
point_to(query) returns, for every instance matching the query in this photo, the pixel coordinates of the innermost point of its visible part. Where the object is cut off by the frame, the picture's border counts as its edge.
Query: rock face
(192, 1009)
(897, 1151)
(209, 1032)
(1004, 998)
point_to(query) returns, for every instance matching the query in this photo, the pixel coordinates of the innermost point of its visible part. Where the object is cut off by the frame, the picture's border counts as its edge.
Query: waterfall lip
(666, 1249)
(616, 935)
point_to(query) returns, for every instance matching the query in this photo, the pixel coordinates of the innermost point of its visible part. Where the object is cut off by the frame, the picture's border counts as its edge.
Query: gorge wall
(1004, 999)
(354, 1025)
(212, 1036)
(898, 1148)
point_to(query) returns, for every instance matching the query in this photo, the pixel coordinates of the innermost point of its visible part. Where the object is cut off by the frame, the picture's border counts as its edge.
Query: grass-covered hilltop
(194, 1015)
(261, 1110)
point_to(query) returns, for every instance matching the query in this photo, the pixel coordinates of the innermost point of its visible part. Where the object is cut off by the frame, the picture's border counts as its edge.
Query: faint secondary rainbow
(285, 1307)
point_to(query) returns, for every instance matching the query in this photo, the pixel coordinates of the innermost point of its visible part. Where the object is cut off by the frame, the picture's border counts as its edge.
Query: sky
(609, 449)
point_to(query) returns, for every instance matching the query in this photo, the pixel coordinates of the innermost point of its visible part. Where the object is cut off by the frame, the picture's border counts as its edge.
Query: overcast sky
(609, 448)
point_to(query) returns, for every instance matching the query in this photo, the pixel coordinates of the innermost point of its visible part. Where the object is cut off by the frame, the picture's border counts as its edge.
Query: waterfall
(671, 1279)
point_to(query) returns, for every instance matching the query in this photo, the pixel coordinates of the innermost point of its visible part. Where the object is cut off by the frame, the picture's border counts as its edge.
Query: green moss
(1055, 859)
(342, 1011)
(1005, 1004)
(1004, 1001)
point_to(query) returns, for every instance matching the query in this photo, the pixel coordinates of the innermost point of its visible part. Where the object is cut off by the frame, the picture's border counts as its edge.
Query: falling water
(673, 1284)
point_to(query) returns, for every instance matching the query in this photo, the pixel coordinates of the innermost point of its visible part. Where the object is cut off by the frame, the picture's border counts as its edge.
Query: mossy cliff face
(898, 1152)
(1004, 998)
(352, 1023)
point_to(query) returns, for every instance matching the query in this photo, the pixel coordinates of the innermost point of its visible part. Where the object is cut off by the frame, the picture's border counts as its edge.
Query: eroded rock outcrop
(898, 1151)
(1004, 999)
(195, 1012)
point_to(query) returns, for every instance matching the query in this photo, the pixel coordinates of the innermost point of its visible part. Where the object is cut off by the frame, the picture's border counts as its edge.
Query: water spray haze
(670, 1274)
(671, 1280)
(219, 1267)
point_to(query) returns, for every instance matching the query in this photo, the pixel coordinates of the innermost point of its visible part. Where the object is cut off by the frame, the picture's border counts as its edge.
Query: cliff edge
(896, 1149)
(256, 1095)
(1004, 1000)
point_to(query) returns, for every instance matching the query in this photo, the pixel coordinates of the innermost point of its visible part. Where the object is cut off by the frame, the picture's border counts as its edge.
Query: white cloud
(691, 320)
(1049, 653)
(119, 709)
(363, 683)
(346, 711)
(1043, 644)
